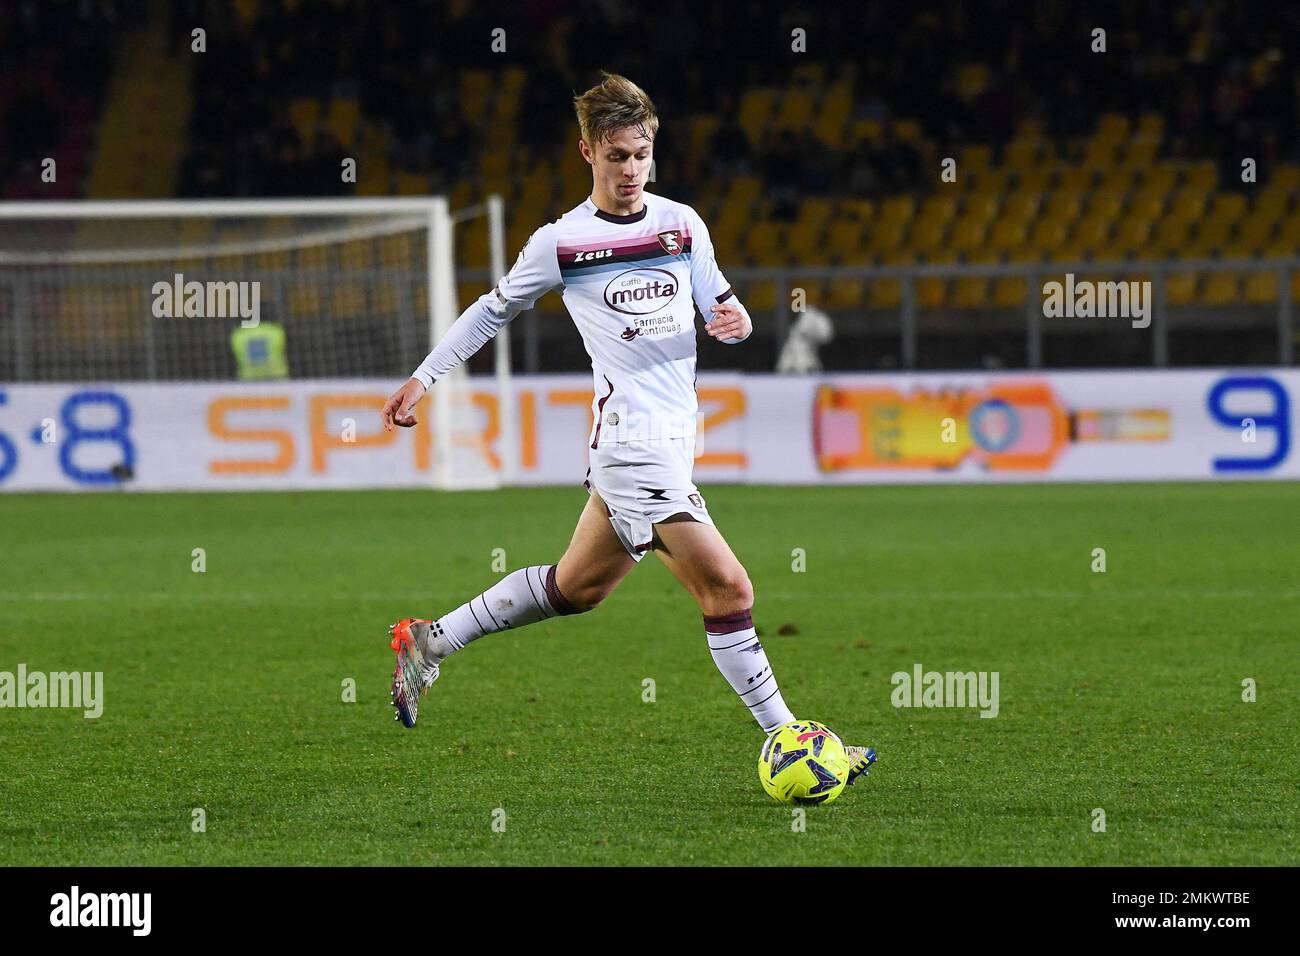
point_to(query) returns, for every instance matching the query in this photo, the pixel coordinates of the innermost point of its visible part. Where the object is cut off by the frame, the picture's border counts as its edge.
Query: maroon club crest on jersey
(671, 241)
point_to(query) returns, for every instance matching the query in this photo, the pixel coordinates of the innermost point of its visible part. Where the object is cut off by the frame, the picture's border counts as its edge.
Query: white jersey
(631, 284)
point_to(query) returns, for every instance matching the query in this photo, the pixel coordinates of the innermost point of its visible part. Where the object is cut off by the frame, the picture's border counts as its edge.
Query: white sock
(736, 650)
(521, 597)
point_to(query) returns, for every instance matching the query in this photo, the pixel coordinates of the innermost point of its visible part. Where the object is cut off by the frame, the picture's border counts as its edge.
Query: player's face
(620, 167)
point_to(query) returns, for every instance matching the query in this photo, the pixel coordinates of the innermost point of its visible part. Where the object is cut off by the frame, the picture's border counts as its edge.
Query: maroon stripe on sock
(558, 600)
(728, 623)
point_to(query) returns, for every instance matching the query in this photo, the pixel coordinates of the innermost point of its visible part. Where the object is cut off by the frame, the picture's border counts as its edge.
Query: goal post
(354, 287)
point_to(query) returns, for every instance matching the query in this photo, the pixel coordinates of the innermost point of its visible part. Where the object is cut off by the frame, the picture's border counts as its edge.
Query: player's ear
(585, 151)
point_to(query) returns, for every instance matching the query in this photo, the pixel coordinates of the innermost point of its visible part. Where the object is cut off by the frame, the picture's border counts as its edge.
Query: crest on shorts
(695, 499)
(671, 241)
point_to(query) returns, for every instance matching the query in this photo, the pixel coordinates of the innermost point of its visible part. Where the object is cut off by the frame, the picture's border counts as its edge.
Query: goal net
(272, 289)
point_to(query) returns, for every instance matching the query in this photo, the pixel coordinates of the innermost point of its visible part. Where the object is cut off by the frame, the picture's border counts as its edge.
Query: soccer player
(630, 266)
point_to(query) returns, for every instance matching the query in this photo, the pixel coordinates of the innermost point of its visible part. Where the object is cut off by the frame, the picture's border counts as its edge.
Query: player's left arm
(725, 316)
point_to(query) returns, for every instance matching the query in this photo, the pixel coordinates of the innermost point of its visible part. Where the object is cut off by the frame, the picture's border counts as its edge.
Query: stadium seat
(1180, 287)
(1260, 288)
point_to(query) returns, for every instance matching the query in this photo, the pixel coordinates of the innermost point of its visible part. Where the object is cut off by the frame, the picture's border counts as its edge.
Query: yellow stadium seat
(1022, 206)
(1022, 154)
(744, 191)
(898, 209)
(1146, 205)
(475, 93)
(411, 184)
(1116, 181)
(1151, 124)
(845, 236)
(1211, 235)
(1180, 287)
(1091, 232)
(885, 237)
(1286, 177)
(1203, 175)
(909, 131)
(1070, 252)
(970, 292)
(973, 159)
(1171, 237)
(1132, 233)
(1160, 178)
(762, 295)
(1188, 204)
(1047, 234)
(1009, 291)
(398, 250)
(831, 123)
(1037, 181)
(928, 234)
(1073, 179)
(304, 300)
(1063, 206)
(1008, 234)
(1105, 206)
(344, 120)
(348, 299)
(968, 234)
(1141, 152)
(1254, 233)
(884, 293)
(1260, 288)
(994, 181)
(845, 294)
(1288, 230)
(795, 110)
(755, 111)
(1099, 154)
(1026, 253)
(930, 292)
(805, 235)
(938, 208)
(304, 114)
(1221, 288)
(1227, 206)
(981, 207)
(314, 257)
(816, 210)
(1112, 127)
(766, 241)
(863, 210)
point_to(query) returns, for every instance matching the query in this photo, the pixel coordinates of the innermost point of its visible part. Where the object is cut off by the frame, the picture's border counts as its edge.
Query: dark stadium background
(825, 158)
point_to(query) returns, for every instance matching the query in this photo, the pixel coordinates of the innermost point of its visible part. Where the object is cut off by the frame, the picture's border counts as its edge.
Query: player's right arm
(534, 273)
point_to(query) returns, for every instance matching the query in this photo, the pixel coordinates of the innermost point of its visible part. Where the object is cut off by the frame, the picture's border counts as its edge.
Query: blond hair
(614, 104)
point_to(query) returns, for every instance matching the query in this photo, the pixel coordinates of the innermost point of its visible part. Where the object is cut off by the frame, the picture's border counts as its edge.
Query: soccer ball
(803, 762)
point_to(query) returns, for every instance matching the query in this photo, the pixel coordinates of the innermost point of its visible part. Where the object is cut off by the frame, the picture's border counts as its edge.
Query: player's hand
(397, 410)
(728, 322)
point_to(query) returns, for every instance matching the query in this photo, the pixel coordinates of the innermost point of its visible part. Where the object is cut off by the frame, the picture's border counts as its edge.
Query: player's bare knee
(727, 594)
(586, 597)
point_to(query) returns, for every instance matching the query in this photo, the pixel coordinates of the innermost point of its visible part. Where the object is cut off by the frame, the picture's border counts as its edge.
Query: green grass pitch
(223, 690)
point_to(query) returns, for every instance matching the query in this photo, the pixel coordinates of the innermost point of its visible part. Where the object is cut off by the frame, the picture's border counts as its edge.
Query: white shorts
(643, 483)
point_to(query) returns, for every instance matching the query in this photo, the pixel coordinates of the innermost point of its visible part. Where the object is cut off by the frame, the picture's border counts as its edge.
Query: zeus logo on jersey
(592, 254)
(641, 291)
